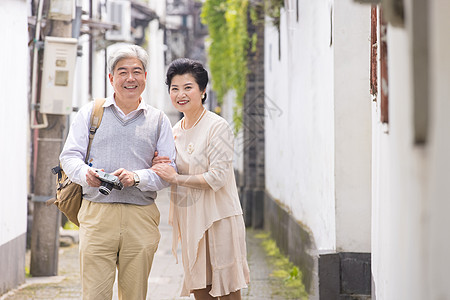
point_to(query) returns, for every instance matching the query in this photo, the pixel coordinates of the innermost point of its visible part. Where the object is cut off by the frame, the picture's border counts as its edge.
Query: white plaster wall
(300, 117)
(99, 75)
(401, 180)
(229, 102)
(439, 191)
(156, 88)
(381, 200)
(14, 119)
(157, 91)
(81, 83)
(227, 107)
(352, 103)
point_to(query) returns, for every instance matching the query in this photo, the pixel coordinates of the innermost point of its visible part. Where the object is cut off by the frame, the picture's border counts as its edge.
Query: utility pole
(47, 219)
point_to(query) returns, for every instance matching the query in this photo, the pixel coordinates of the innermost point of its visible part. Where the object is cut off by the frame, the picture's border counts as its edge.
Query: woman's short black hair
(182, 66)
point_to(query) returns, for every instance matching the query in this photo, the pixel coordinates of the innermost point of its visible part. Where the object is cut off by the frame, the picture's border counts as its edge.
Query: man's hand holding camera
(125, 176)
(106, 182)
(92, 178)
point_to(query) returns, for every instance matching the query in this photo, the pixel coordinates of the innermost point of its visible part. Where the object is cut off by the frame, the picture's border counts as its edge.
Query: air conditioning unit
(119, 13)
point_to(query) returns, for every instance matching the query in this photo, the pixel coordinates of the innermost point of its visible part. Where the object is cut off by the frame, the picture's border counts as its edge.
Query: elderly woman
(206, 214)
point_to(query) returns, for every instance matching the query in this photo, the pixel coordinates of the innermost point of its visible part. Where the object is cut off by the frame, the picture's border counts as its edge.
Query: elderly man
(119, 229)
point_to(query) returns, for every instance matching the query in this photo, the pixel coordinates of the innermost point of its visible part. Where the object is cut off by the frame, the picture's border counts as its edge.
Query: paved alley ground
(166, 276)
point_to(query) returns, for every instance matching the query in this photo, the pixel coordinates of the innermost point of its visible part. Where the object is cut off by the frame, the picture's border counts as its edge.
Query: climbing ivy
(272, 9)
(228, 45)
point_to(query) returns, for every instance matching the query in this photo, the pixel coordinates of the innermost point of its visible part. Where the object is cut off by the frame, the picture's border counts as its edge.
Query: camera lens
(105, 188)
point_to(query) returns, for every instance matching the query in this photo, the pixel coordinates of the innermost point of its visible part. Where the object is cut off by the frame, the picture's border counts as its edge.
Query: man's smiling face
(128, 79)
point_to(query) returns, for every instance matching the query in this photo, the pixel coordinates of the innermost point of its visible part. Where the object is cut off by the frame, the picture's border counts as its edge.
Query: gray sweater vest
(127, 144)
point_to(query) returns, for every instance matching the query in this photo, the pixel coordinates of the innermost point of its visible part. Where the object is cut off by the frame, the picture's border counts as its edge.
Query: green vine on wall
(272, 9)
(229, 44)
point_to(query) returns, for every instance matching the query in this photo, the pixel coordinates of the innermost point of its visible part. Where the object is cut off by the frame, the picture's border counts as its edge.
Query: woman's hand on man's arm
(160, 159)
(168, 173)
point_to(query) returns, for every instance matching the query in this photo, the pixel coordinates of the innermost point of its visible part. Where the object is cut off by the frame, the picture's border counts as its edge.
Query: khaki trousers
(122, 236)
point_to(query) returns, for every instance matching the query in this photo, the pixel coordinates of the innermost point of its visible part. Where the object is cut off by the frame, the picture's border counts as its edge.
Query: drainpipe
(35, 71)
(91, 50)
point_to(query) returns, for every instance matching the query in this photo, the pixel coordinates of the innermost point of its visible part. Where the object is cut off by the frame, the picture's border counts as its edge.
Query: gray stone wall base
(12, 263)
(247, 202)
(291, 237)
(345, 276)
(340, 276)
(253, 208)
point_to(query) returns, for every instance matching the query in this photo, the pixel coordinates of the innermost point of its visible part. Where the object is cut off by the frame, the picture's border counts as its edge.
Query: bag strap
(96, 119)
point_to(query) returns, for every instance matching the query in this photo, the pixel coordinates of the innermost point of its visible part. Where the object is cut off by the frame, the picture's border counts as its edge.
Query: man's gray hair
(127, 51)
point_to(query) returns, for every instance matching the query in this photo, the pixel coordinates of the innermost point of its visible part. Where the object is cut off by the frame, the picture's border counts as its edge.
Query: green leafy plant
(272, 9)
(228, 45)
(289, 274)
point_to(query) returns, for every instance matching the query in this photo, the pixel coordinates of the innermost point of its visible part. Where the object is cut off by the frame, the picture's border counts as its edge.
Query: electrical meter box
(57, 75)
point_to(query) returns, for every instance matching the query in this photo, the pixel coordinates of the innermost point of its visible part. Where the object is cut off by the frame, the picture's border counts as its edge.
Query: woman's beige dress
(209, 222)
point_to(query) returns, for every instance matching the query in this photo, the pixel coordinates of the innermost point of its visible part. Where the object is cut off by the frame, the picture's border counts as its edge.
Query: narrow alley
(339, 113)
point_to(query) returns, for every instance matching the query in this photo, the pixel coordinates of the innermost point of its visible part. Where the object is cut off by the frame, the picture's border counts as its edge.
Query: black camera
(108, 182)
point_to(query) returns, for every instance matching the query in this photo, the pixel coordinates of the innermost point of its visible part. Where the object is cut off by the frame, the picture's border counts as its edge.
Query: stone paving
(165, 279)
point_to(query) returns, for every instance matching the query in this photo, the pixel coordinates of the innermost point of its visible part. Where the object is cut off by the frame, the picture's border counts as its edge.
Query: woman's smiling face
(185, 93)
